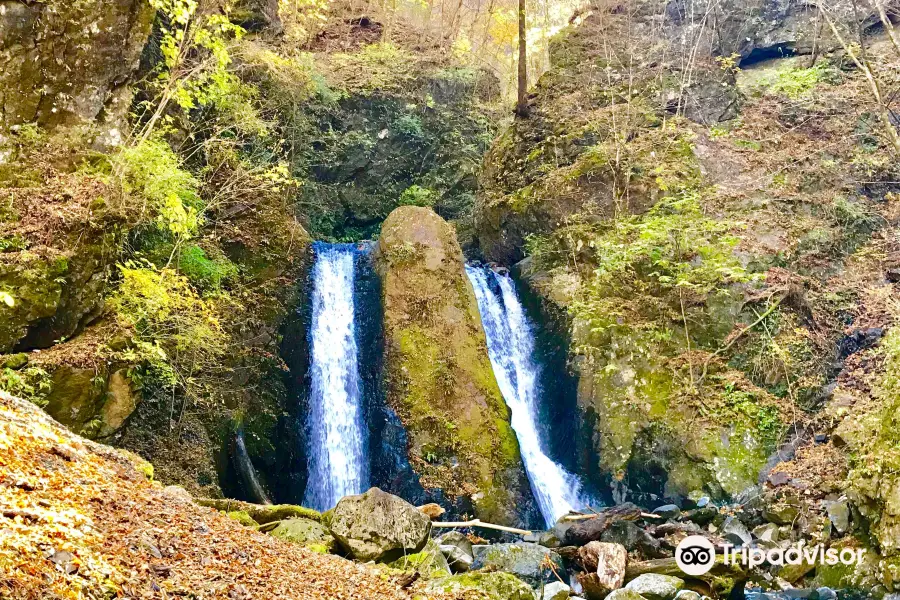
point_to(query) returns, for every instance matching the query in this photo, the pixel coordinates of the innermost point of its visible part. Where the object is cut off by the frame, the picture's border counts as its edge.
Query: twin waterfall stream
(337, 432)
(336, 427)
(510, 341)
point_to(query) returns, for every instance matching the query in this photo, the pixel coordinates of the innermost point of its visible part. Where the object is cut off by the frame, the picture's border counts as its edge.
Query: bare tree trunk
(521, 107)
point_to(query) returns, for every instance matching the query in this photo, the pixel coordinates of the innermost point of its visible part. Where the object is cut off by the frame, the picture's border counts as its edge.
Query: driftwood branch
(479, 523)
(594, 516)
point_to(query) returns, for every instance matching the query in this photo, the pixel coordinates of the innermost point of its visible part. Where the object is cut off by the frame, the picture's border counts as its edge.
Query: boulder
(634, 538)
(458, 560)
(781, 513)
(307, 533)
(528, 562)
(438, 371)
(668, 511)
(736, 532)
(605, 566)
(606, 560)
(839, 515)
(496, 586)
(687, 595)
(767, 532)
(455, 538)
(656, 587)
(624, 594)
(556, 591)
(429, 562)
(379, 526)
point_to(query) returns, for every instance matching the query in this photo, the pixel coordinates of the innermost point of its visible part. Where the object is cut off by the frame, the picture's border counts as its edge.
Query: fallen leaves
(78, 520)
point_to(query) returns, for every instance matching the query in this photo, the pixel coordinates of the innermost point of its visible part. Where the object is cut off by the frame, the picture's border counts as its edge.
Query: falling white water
(337, 457)
(510, 340)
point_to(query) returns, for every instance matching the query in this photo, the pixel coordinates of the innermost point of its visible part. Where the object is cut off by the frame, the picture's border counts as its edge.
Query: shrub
(175, 329)
(158, 188)
(205, 273)
(416, 195)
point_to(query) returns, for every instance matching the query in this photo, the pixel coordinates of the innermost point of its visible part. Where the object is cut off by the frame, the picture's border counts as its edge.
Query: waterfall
(510, 340)
(338, 465)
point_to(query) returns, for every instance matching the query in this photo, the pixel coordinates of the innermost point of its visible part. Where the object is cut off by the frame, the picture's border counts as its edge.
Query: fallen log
(590, 530)
(479, 523)
(261, 513)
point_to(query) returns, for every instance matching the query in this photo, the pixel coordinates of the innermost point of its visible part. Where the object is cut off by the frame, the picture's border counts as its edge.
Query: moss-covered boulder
(66, 62)
(439, 376)
(497, 585)
(92, 403)
(430, 561)
(307, 533)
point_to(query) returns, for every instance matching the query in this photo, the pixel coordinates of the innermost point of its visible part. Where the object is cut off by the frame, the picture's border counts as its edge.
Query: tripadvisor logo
(696, 555)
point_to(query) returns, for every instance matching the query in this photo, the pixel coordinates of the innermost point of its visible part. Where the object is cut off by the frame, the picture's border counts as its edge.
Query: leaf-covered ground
(81, 520)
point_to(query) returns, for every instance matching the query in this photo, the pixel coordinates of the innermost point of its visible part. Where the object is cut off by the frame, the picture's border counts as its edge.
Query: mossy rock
(305, 532)
(242, 517)
(42, 40)
(497, 586)
(430, 562)
(262, 513)
(440, 379)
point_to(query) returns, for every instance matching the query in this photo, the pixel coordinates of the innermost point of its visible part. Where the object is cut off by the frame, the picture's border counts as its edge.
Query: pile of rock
(619, 553)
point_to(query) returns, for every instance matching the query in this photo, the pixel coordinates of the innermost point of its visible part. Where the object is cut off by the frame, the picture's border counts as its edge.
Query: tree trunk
(521, 107)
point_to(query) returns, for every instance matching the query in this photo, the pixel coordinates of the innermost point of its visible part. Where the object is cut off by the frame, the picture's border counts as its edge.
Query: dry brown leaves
(78, 520)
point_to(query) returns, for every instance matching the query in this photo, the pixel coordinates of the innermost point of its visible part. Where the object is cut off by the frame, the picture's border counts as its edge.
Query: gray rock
(528, 562)
(634, 538)
(455, 538)
(736, 532)
(839, 514)
(656, 587)
(687, 595)
(668, 511)
(459, 560)
(548, 539)
(430, 561)
(782, 514)
(379, 526)
(624, 594)
(826, 593)
(556, 591)
(767, 532)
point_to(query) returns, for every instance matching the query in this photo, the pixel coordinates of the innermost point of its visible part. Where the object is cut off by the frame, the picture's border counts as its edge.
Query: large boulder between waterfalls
(379, 526)
(439, 376)
(529, 562)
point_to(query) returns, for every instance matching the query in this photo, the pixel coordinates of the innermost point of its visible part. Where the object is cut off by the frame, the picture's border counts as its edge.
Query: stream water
(337, 457)
(511, 347)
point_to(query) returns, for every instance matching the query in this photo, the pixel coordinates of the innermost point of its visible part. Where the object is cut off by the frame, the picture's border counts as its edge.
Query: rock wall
(69, 62)
(438, 375)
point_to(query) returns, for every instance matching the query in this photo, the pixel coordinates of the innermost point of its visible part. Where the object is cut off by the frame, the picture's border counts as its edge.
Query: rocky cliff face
(69, 63)
(691, 380)
(438, 374)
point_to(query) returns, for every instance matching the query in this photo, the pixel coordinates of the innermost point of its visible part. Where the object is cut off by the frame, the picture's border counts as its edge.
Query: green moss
(497, 586)
(242, 517)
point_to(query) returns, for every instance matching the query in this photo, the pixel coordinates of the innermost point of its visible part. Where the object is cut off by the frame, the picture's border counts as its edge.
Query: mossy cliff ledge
(438, 374)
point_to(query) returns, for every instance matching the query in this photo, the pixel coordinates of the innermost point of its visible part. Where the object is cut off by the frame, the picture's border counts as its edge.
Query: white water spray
(510, 340)
(337, 441)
